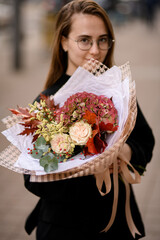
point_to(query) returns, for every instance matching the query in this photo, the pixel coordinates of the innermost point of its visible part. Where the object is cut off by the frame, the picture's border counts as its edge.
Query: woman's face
(84, 27)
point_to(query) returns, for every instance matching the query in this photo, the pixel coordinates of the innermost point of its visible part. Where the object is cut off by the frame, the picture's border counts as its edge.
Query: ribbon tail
(103, 177)
(129, 218)
(115, 201)
(126, 172)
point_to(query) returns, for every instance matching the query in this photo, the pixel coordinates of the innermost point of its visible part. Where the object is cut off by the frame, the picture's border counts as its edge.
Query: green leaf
(49, 162)
(41, 144)
(45, 160)
(59, 157)
(51, 155)
(40, 141)
(51, 166)
(37, 153)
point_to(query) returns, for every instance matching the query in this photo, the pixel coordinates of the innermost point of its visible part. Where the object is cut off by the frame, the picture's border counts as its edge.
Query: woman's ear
(64, 43)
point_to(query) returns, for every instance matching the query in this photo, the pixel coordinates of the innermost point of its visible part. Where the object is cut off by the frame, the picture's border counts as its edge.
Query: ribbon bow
(128, 179)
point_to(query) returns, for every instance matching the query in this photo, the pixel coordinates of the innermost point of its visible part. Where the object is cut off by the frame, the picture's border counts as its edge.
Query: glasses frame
(91, 44)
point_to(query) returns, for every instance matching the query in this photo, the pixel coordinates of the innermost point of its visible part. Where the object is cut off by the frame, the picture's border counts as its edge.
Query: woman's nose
(94, 48)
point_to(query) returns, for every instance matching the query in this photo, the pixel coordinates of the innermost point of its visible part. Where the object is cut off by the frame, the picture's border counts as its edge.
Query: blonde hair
(63, 26)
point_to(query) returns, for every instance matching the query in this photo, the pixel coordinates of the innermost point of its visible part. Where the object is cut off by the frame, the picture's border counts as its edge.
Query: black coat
(74, 209)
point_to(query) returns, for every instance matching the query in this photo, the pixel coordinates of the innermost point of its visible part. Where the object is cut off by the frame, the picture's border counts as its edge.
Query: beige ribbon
(127, 178)
(103, 177)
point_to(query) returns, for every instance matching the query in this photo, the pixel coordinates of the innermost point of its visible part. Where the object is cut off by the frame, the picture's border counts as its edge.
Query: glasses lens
(105, 43)
(110, 42)
(84, 44)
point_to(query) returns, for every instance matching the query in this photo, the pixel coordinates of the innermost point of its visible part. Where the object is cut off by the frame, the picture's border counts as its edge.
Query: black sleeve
(48, 92)
(141, 142)
(64, 190)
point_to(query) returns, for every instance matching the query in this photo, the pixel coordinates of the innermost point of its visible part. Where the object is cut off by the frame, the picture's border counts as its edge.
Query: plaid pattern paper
(9, 156)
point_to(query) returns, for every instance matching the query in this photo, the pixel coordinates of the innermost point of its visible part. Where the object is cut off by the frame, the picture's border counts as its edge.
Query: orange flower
(90, 117)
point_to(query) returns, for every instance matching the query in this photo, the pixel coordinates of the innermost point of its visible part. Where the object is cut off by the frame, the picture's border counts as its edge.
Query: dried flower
(76, 106)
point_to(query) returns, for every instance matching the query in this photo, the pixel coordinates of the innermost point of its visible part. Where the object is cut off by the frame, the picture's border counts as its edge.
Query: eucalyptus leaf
(45, 160)
(51, 166)
(51, 155)
(40, 141)
(40, 144)
(49, 162)
(37, 153)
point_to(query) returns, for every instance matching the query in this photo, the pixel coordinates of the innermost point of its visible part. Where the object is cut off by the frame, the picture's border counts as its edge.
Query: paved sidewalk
(134, 42)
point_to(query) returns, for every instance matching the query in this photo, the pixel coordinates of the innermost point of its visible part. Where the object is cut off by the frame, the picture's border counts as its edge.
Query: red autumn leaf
(49, 102)
(26, 117)
(31, 123)
(14, 111)
(27, 131)
(107, 127)
(90, 117)
(35, 138)
(23, 112)
(90, 148)
(30, 126)
(100, 144)
(94, 145)
(95, 131)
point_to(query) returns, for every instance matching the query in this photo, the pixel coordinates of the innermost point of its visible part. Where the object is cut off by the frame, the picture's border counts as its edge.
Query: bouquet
(82, 124)
(77, 132)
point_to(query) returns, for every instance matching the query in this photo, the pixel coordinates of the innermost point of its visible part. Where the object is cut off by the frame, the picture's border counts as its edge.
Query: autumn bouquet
(69, 129)
(82, 124)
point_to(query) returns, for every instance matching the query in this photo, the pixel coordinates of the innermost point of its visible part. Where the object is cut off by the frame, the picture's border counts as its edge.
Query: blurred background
(26, 32)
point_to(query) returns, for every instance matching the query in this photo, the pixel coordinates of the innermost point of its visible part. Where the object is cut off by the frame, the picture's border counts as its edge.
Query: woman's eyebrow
(104, 35)
(88, 36)
(84, 35)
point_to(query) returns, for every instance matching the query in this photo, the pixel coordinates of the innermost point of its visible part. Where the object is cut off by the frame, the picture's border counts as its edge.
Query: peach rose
(80, 132)
(61, 143)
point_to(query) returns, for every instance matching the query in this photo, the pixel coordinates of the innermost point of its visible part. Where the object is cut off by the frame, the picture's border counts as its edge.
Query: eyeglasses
(85, 43)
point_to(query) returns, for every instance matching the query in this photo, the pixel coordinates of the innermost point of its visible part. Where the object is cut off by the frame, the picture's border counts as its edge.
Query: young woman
(73, 208)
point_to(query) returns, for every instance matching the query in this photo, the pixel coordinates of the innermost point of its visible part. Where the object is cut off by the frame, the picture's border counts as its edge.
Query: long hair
(63, 26)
